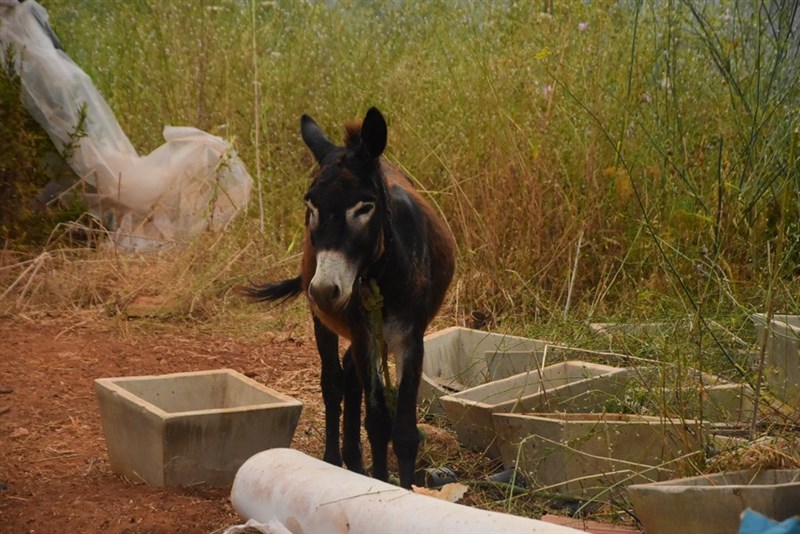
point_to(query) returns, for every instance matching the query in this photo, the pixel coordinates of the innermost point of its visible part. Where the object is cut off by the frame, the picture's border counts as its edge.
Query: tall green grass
(605, 159)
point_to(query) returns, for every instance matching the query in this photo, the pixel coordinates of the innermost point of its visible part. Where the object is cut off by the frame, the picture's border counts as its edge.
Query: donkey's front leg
(405, 436)
(378, 421)
(351, 442)
(332, 382)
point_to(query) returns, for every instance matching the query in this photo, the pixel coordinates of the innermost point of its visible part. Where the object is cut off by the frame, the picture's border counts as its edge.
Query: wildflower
(583, 26)
(542, 54)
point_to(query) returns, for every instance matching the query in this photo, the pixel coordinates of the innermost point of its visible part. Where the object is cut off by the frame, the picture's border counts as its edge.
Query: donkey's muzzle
(325, 296)
(332, 284)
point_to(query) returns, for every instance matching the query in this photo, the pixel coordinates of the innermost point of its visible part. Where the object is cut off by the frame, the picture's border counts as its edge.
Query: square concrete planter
(190, 428)
(782, 356)
(711, 504)
(459, 358)
(587, 455)
(569, 386)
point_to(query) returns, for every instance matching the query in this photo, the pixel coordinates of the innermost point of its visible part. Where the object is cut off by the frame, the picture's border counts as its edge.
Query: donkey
(373, 248)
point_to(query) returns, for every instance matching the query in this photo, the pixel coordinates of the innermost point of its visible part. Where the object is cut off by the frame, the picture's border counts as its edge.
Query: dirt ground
(54, 469)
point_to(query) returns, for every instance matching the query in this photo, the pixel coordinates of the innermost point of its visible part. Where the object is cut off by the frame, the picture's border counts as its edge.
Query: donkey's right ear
(315, 138)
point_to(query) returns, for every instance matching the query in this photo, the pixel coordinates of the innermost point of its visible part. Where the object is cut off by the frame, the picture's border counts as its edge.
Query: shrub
(32, 173)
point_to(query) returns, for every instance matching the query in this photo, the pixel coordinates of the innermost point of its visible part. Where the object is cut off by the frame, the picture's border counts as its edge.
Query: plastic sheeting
(192, 183)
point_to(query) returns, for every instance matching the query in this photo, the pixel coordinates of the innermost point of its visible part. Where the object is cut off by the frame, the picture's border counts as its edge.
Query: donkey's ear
(373, 133)
(314, 138)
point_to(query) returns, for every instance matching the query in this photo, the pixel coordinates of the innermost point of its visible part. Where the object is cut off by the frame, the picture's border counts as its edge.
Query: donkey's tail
(282, 291)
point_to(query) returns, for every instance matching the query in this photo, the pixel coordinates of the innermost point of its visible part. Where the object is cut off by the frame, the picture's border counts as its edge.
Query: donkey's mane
(352, 132)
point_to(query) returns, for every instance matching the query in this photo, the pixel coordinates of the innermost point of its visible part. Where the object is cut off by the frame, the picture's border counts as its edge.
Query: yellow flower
(542, 54)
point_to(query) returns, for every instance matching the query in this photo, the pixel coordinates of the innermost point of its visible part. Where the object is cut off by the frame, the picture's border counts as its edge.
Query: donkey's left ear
(373, 133)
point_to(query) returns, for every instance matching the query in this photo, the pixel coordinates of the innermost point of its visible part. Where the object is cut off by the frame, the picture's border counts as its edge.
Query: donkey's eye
(313, 213)
(363, 208)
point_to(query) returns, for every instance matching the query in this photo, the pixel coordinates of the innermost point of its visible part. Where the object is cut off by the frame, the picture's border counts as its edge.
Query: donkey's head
(346, 216)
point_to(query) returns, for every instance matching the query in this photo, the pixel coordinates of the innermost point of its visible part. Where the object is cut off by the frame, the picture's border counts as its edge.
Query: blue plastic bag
(755, 523)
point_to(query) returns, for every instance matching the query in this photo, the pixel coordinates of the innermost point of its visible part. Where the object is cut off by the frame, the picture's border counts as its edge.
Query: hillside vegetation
(594, 160)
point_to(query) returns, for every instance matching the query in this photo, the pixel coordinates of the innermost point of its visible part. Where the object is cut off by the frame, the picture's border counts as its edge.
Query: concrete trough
(782, 356)
(191, 428)
(689, 392)
(589, 455)
(728, 403)
(458, 358)
(712, 504)
(640, 330)
(570, 386)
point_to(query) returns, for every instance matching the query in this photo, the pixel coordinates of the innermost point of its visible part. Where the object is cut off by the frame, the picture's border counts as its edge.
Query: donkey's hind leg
(351, 439)
(405, 436)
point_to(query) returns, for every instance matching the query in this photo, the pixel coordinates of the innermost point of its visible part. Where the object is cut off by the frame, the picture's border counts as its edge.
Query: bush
(32, 172)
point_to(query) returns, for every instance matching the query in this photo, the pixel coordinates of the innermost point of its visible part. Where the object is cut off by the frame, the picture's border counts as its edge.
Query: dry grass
(765, 453)
(79, 268)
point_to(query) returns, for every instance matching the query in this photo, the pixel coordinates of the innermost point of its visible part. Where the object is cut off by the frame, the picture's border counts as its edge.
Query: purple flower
(583, 26)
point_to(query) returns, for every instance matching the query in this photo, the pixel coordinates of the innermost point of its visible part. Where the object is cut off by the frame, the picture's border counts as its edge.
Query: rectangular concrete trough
(189, 428)
(690, 393)
(459, 358)
(569, 386)
(728, 403)
(640, 330)
(782, 356)
(587, 455)
(712, 504)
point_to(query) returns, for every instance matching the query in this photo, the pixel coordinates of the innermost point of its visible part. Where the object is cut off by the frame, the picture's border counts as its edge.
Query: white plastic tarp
(191, 183)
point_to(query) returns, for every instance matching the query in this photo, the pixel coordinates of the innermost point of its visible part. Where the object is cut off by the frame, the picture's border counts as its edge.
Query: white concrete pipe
(310, 496)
